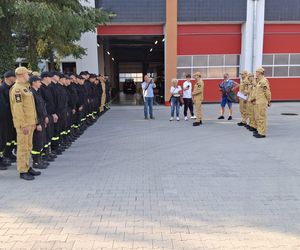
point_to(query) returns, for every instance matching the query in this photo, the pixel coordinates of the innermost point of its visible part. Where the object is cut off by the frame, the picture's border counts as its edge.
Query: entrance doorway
(126, 59)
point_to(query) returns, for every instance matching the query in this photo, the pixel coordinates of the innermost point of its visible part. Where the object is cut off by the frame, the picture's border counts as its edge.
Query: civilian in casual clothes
(226, 88)
(148, 85)
(175, 99)
(187, 98)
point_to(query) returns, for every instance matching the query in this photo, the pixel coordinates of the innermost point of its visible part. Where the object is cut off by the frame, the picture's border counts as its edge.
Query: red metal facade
(209, 39)
(113, 30)
(283, 38)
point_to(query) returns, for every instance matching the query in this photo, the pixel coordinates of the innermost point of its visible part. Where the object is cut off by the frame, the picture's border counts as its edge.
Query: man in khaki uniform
(25, 119)
(243, 88)
(198, 98)
(103, 96)
(262, 101)
(250, 104)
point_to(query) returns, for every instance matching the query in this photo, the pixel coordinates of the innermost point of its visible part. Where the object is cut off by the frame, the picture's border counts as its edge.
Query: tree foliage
(50, 29)
(7, 42)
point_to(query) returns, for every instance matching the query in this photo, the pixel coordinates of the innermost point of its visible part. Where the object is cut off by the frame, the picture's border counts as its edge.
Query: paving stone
(128, 183)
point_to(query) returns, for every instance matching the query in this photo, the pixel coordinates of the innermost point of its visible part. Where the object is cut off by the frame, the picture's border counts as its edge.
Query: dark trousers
(38, 141)
(3, 136)
(59, 130)
(49, 132)
(11, 138)
(55, 138)
(63, 125)
(188, 104)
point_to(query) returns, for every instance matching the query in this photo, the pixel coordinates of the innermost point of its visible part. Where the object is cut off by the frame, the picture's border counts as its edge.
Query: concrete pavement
(128, 183)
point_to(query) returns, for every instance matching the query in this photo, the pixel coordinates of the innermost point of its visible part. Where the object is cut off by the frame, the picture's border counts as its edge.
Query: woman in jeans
(175, 99)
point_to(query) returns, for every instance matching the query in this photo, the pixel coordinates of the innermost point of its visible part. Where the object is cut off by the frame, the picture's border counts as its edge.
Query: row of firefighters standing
(253, 108)
(44, 113)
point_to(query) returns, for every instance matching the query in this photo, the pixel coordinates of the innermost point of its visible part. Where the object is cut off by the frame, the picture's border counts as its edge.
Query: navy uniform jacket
(40, 106)
(3, 106)
(72, 96)
(6, 88)
(48, 97)
(82, 96)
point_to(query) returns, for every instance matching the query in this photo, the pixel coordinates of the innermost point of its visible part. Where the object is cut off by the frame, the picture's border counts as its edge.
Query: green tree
(51, 29)
(7, 41)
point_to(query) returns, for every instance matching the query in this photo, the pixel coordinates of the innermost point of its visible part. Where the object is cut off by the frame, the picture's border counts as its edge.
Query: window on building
(281, 65)
(210, 66)
(137, 77)
(69, 67)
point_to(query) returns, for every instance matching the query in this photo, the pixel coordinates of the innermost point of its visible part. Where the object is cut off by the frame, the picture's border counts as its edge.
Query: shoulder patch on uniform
(18, 97)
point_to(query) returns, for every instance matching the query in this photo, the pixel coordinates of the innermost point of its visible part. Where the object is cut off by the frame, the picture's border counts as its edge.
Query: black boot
(43, 162)
(37, 163)
(195, 124)
(33, 172)
(5, 162)
(49, 156)
(2, 167)
(241, 124)
(26, 176)
(8, 153)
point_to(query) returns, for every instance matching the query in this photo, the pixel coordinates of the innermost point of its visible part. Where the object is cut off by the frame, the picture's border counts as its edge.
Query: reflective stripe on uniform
(55, 138)
(35, 152)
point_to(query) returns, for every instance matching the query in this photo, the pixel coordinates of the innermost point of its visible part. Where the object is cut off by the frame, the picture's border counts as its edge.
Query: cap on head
(61, 75)
(260, 70)
(244, 72)
(33, 79)
(9, 73)
(250, 75)
(197, 74)
(46, 74)
(22, 71)
(35, 73)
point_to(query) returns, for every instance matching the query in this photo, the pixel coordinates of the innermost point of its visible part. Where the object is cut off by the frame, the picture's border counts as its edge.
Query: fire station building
(171, 38)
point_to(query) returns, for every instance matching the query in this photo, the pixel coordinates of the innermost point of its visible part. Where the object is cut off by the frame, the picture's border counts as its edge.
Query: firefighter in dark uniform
(107, 91)
(92, 80)
(60, 100)
(72, 105)
(62, 111)
(80, 118)
(9, 80)
(89, 97)
(97, 97)
(84, 95)
(39, 133)
(4, 163)
(48, 97)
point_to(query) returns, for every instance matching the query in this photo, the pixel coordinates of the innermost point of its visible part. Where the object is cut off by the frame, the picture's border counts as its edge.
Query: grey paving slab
(128, 183)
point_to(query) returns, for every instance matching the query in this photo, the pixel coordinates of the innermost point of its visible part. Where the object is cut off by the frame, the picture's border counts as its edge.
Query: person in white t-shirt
(175, 99)
(187, 98)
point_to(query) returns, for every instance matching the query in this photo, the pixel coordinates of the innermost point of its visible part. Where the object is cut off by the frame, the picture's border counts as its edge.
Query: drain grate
(289, 114)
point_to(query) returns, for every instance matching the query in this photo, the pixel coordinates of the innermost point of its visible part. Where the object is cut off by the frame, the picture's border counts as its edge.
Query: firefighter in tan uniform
(262, 101)
(243, 88)
(24, 118)
(250, 103)
(103, 96)
(198, 98)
